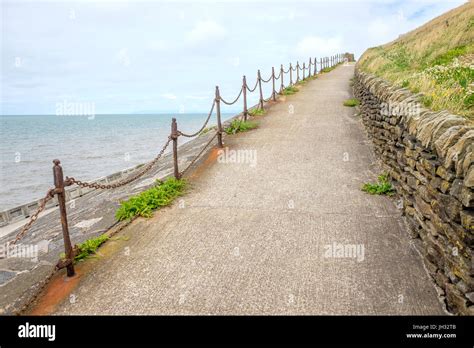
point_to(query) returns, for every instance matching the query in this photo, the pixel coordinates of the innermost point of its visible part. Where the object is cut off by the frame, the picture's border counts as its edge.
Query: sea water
(88, 148)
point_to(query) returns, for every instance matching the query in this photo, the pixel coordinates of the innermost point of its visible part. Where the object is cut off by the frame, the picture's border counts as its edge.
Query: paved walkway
(265, 239)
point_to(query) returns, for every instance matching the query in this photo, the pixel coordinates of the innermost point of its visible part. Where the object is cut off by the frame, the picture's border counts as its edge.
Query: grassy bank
(435, 60)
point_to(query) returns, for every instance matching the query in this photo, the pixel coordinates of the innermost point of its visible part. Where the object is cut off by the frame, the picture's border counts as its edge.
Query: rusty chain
(49, 195)
(253, 89)
(203, 126)
(269, 79)
(234, 101)
(96, 185)
(199, 154)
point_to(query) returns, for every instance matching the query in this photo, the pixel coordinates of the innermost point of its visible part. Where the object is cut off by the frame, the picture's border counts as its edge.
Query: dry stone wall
(430, 158)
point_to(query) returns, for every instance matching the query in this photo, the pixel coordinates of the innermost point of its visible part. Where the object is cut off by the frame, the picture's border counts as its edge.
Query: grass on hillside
(237, 126)
(154, 198)
(351, 102)
(436, 60)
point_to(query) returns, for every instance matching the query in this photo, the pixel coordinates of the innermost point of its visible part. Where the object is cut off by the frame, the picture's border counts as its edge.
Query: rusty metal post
(291, 75)
(281, 74)
(309, 67)
(61, 193)
(304, 67)
(259, 77)
(218, 114)
(273, 84)
(297, 71)
(244, 91)
(174, 137)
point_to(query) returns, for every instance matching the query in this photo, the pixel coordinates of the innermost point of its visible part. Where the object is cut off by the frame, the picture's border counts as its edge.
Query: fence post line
(218, 114)
(315, 66)
(304, 67)
(320, 64)
(291, 75)
(297, 71)
(273, 84)
(59, 185)
(174, 137)
(244, 91)
(281, 74)
(309, 67)
(259, 77)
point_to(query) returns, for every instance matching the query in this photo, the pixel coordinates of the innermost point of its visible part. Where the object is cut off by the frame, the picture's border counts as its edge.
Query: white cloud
(234, 61)
(158, 45)
(379, 29)
(197, 97)
(169, 96)
(317, 46)
(206, 31)
(123, 57)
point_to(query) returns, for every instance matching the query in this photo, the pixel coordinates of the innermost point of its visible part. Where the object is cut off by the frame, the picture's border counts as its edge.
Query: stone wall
(429, 156)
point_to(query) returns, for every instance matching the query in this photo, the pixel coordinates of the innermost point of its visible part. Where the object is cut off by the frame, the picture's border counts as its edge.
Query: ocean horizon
(89, 147)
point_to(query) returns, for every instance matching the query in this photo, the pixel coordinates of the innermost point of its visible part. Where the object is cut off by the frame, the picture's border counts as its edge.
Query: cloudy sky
(163, 56)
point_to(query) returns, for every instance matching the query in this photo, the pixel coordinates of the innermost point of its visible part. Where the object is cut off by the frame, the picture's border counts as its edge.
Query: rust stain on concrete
(60, 287)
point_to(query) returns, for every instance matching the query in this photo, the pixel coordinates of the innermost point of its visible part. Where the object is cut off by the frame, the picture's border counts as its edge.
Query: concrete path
(266, 238)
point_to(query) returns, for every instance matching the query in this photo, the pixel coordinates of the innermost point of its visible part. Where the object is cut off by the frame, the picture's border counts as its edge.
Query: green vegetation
(382, 187)
(256, 112)
(351, 102)
(448, 56)
(154, 198)
(434, 60)
(237, 126)
(206, 130)
(89, 247)
(328, 69)
(290, 90)
(426, 100)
